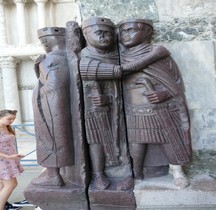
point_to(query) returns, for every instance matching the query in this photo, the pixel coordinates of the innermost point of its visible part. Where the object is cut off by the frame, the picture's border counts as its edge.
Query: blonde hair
(5, 112)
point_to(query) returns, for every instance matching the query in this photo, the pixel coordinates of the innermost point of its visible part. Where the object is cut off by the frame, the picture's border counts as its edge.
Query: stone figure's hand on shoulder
(157, 96)
(101, 100)
(160, 51)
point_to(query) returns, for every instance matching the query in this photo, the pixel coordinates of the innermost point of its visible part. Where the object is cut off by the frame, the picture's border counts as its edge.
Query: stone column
(78, 13)
(41, 13)
(20, 4)
(3, 34)
(10, 85)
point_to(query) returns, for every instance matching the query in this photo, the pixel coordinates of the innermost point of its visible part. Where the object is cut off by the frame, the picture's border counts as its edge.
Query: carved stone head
(133, 32)
(99, 33)
(52, 38)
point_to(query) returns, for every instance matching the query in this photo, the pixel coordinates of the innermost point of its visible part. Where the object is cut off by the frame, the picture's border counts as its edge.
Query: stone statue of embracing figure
(112, 111)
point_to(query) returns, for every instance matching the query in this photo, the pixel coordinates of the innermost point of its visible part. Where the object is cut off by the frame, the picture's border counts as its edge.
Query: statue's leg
(137, 153)
(180, 179)
(50, 177)
(100, 181)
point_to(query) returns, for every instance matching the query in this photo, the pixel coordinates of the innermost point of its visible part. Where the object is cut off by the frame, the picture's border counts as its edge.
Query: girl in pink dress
(10, 166)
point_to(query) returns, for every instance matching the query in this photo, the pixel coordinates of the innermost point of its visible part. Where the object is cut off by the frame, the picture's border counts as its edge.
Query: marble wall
(188, 30)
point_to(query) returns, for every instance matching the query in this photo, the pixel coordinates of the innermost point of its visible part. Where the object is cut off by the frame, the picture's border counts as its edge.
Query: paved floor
(23, 180)
(26, 145)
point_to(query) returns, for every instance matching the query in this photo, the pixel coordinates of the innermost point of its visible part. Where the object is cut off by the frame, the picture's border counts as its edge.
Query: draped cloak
(52, 115)
(165, 123)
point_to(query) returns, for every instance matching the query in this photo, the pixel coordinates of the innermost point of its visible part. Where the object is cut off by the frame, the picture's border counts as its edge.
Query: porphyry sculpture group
(109, 109)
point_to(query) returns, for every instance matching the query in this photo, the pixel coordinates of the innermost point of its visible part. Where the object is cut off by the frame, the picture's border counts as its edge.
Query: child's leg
(8, 187)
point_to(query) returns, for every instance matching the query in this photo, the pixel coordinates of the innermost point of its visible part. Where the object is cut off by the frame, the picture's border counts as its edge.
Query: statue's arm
(36, 65)
(97, 70)
(158, 52)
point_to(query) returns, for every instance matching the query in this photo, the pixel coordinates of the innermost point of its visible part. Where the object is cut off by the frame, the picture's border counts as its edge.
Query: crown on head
(143, 21)
(51, 31)
(97, 21)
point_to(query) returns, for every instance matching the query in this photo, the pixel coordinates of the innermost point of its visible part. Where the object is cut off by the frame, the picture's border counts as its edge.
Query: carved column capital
(9, 62)
(34, 57)
(20, 1)
(40, 1)
(2, 2)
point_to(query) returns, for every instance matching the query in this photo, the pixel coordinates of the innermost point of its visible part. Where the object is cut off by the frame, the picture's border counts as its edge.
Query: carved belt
(149, 110)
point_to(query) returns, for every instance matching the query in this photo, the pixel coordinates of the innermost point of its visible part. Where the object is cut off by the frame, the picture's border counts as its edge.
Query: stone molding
(34, 57)
(63, 1)
(27, 87)
(40, 1)
(9, 62)
(20, 1)
(23, 51)
(14, 1)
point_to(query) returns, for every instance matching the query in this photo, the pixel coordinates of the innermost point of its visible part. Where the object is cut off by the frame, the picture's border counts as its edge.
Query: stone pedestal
(111, 199)
(161, 193)
(69, 197)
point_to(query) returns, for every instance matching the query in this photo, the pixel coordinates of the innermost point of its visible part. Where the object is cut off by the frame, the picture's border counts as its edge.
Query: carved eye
(98, 32)
(108, 33)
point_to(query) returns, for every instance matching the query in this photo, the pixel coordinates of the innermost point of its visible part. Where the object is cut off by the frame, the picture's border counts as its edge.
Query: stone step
(161, 193)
